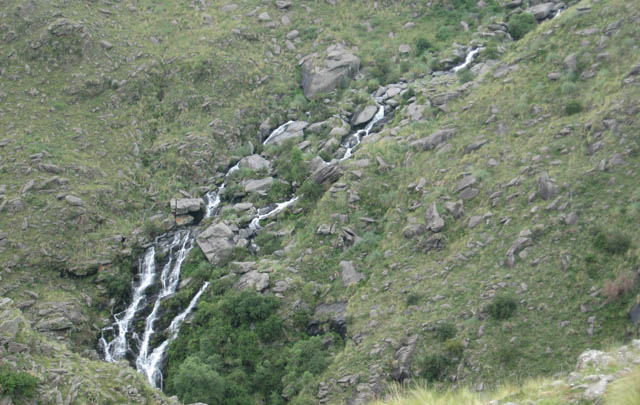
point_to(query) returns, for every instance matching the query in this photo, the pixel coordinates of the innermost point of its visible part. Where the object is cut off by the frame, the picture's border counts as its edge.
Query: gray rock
(546, 189)
(595, 391)
(469, 193)
(332, 315)
(255, 163)
(365, 115)
(404, 49)
(57, 323)
(74, 201)
(253, 279)
(327, 173)
(474, 221)
(264, 17)
(242, 267)
(540, 11)
(216, 242)
(455, 208)
(571, 62)
(415, 111)
(184, 206)
(434, 139)
(518, 245)
(435, 223)
(436, 241)
(466, 182)
(403, 358)
(349, 274)
(443, 98)
(295, 130)
(259, 186)
(320, 77)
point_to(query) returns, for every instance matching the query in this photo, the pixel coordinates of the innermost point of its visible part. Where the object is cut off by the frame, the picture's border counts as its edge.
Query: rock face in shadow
(327, 317)
(323, 76)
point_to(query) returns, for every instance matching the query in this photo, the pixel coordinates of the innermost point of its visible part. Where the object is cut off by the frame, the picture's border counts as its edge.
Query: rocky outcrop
(323, 75)
(327, 173)
(260, 186)
(216, 242)
(253, 279)
(433, 140)
(255, 163)
(183, 206)
(402, 359)
(349, 274)
(329, 317)
(294, 130)
(435, 223)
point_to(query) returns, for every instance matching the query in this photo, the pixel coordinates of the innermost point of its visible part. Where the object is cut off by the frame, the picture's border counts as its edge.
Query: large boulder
(329, 316)
(349, 274)
(253, 279)
(433, 140)
(364, 115)
(183, 206)
(402, 359)
(541, 11)
(323, 74)
(259, 186)
(216, 242)
(254, 162)
(327, 173)
(294, 130)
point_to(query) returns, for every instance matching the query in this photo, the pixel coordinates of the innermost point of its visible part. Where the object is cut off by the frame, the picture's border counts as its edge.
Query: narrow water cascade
(172, 250)
(468, 59)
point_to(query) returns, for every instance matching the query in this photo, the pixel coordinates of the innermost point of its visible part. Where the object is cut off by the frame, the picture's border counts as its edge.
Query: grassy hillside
(109, 109)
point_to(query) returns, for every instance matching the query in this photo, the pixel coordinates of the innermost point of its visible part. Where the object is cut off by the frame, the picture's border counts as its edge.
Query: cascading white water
(149, 362)
(151, 365)
(255, 222)
(169, 277)
(467, 61)
(118, 347)
(277, 132)
(362, 133)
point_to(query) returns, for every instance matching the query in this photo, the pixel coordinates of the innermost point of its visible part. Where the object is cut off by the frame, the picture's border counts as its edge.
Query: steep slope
(484, 233)
(528, 256)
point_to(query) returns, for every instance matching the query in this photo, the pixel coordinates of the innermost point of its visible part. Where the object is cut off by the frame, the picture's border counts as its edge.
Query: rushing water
(174, 249)
(467, 61)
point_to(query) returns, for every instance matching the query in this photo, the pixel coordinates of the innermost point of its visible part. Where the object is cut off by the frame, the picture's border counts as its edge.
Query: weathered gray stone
(540, 11)
(327, 173)
(434, 139)
(403, 358)
(253, 279)
(364, 115)
(216, 242)
(517, 246)
(182, 206)
(349, 274)
(547, 190)
(435, 223)
(455, 208)
(259, 186)
(254, 162)
(332, 315)
(319, 77)
(74, 201)
(466, 182)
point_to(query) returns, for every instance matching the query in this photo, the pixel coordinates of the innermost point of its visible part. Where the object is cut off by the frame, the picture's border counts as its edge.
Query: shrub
(446, 331)
(443, 33)
(454, 347)
(196, 381)
(118, 286)
(434, 366)
(16, 383)
(613, 243)
(621, 286)
(408, 94)
(268, 243)
(509, 354)
(573, 107)
(413, 299)
(423, 44)
(520, 24)
(465, 76)
(502, 307)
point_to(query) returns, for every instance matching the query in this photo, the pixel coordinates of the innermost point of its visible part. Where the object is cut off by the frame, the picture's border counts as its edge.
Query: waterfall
(174, 249)
(467, 61)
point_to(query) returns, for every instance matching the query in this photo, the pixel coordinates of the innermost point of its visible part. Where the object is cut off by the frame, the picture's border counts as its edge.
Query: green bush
(16, 383)
(434, 366)
(613, 243)
(520, 24)
(446, 331)
(196, 381)
(465, 76)
(454, 347)
(422, 44)
(413, 299)
(502, 307)
(573, 107)
(119, 285)
(268, 243)
(443, 33)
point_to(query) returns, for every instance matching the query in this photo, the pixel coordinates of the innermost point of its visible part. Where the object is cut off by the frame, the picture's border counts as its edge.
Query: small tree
(521, 24)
